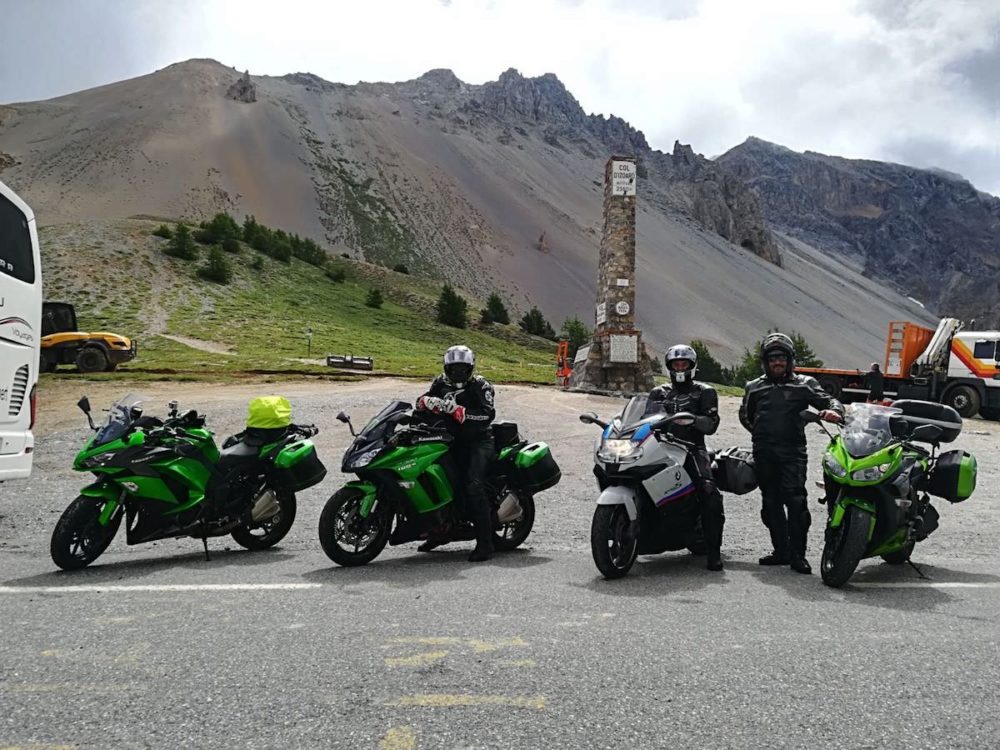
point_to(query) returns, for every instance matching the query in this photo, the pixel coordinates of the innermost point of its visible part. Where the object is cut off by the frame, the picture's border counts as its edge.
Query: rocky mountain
(494, 187)
(928, 233)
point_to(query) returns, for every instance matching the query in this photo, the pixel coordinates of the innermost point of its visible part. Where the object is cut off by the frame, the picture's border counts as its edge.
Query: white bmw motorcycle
(648, 502)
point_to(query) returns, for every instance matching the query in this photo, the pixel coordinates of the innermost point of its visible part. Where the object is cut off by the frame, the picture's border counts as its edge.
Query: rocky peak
(934, 237)
(617, 134)
(443, 78)
(541, 99)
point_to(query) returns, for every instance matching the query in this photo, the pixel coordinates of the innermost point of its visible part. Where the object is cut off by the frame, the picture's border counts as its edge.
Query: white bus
(20, 333)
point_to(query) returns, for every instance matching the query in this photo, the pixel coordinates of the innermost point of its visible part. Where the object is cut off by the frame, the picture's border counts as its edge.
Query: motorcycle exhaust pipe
(265, 506)
(510, 509)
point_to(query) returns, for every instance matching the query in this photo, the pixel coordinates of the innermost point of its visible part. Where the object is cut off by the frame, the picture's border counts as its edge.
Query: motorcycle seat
(240, 453)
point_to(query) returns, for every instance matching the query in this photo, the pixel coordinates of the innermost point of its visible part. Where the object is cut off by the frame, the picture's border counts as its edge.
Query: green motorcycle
(879, 482)
(167, 478)
(406, 475)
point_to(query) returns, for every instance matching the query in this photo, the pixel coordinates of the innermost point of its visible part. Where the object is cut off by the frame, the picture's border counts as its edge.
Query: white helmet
(459, 362)
(681, 351)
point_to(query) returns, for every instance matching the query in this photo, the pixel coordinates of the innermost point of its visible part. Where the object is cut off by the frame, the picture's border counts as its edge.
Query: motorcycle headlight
(871, 474)
(832, 465)
(365, 458)
(98, 460)
(619, 451)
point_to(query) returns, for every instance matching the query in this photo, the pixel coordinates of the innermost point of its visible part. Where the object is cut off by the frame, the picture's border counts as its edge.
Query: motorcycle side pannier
(953, 476)
(733, 471)
(307, 472)
(535, 469)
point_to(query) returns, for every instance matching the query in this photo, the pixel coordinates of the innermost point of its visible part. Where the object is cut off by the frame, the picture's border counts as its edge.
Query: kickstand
(204, 541)
(919, 571)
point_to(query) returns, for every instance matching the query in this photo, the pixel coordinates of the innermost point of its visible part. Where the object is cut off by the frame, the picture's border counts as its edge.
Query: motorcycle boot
(798, 531)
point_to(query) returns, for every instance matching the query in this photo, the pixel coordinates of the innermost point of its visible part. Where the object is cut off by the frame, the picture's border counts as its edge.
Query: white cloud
(876, 78)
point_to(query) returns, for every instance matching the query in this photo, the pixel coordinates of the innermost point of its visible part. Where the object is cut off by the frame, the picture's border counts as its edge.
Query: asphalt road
(152, 646)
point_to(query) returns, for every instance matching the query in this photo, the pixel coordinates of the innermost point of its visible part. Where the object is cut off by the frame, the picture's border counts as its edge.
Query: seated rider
(468, 399)
(685, 394)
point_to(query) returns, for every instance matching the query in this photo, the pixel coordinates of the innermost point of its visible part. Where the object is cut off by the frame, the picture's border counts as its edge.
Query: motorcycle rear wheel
(843, 552)
(341, 524)
(512, 535)
(270, 531)
(613, 554)
(78, 539)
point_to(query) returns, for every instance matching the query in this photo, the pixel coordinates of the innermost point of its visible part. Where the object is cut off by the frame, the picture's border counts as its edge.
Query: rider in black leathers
(685, 394)
(468, 399)
(770, 411)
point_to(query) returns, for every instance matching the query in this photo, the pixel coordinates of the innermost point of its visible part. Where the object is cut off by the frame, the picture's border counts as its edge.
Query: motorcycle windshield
(866, 428)
(637, 411)
(119, 419)
(382, 424)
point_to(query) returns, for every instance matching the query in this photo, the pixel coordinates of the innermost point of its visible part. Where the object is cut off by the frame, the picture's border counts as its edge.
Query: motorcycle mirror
(84, 404)
(344, 417)
(926, 433)
(682, 418)
(899, 426)
(588, 418)
(809, 416)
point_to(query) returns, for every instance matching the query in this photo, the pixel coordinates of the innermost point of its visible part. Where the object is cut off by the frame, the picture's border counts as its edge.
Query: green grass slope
(120, 280)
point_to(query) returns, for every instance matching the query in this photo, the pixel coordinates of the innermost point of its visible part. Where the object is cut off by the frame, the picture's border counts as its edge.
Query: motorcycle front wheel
(845, 547)
(348, 538)
(78, 539)
(269, 531)
(614, 552)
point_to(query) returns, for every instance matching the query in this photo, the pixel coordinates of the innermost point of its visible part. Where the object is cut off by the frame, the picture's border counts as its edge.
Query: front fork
(839, 509)
(113, 498)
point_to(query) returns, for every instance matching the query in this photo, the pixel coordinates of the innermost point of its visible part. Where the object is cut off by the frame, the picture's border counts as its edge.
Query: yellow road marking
(444, 700)
(417, 660)
(482, 646)
(477, 645)
(522, 663)
(399, 738)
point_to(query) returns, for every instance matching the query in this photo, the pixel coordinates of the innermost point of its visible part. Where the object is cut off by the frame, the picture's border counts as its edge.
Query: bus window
(15, 243)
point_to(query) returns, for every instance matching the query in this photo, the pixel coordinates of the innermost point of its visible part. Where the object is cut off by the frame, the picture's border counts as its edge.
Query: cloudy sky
(913, 81)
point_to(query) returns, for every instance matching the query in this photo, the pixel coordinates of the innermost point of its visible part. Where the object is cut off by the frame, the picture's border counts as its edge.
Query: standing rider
(770, 411)
(687, 395)
(468, 399)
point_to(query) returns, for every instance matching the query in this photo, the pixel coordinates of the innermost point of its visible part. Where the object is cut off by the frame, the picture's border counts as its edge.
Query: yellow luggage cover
(269, 412)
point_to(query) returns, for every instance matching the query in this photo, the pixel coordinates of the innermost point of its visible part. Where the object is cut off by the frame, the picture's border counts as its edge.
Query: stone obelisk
(616, 359)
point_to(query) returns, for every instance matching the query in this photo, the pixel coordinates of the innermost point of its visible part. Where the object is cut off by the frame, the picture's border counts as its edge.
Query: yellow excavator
(63, 343)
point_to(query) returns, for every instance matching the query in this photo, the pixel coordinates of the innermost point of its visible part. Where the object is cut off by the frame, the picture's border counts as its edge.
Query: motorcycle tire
(901, 555)
(613, 557)
(78, 539)
(843, 552)
(512, 535)
(340, 520)
(269, 531)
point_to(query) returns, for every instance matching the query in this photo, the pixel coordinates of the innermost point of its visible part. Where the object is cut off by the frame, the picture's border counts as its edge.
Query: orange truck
(947, 364)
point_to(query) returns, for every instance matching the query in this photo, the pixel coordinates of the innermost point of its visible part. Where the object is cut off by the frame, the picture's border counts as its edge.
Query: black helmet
(777, 342)
(459, 362)
(875, 367)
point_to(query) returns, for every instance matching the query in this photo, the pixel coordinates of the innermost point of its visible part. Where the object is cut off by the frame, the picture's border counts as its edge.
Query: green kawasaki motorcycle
(167, 478)
(405, 474)
(879, 482)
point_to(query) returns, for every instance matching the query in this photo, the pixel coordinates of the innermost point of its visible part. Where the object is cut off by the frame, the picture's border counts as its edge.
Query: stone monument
(616, 359)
